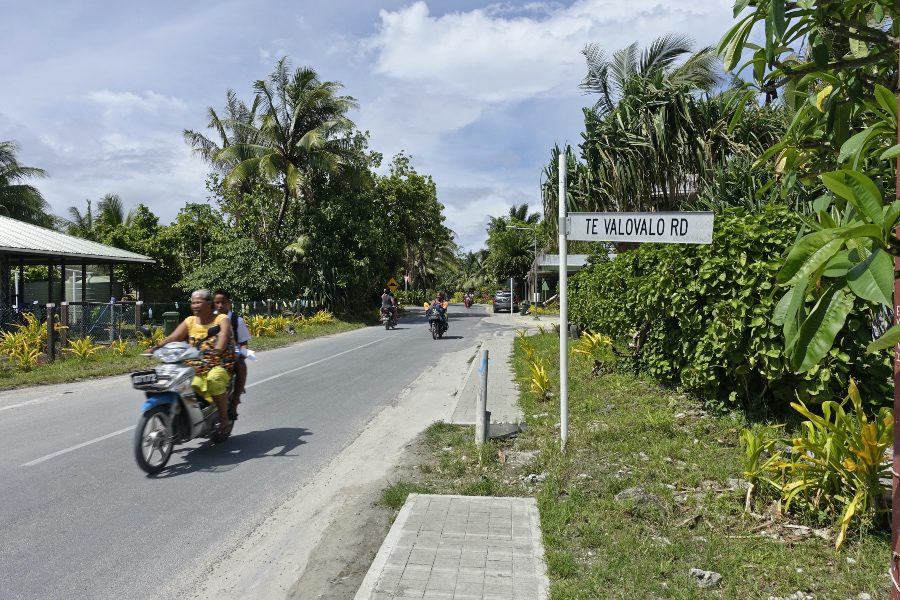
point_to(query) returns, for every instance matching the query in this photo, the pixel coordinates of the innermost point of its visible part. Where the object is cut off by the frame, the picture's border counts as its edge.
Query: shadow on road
(237, 449)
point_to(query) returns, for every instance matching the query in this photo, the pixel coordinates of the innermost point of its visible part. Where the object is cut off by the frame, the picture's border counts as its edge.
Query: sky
(97, 93)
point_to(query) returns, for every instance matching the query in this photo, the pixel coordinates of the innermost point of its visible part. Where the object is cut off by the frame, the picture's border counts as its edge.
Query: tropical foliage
(658, 133)
(702, 317)
(18, 198)
(296, 206)
(834, 64)
(835, 465)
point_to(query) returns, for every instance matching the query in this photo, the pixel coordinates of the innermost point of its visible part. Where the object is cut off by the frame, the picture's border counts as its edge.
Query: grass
(627, 433)
(106, 363)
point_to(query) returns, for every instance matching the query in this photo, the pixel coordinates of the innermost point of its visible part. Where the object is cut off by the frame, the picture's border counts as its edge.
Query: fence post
(51, 334)
(63, 324)
(138, 307)
(112, 319)
(481, 425)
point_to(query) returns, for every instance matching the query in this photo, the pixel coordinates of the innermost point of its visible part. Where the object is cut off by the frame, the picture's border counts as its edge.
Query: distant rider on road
(389, 302)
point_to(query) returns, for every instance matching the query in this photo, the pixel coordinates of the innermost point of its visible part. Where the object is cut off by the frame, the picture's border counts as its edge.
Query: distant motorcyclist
(440, 304)
(389, 302)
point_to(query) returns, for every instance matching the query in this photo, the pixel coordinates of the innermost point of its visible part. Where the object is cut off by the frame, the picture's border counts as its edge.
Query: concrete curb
(367, 587)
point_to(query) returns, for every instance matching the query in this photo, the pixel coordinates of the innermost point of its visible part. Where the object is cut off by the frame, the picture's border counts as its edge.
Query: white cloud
(486, 55)
(128, 102)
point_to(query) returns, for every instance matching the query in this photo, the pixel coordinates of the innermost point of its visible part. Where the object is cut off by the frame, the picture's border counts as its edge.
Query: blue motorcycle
(172, 413)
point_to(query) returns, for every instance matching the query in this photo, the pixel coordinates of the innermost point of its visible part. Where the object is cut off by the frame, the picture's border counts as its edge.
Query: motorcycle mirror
(213, 331)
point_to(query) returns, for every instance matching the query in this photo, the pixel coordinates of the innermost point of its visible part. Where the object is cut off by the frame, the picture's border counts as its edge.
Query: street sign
(392, 285)
(544, 286)
(659, 227)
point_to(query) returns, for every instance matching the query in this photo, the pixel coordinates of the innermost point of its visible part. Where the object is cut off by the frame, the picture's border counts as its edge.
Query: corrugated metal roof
(26, 240)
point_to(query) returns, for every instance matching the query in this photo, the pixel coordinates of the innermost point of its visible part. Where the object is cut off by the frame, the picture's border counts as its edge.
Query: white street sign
(659, 227)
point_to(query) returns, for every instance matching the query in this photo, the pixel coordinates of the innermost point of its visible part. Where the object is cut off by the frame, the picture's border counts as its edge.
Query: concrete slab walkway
(460, 548)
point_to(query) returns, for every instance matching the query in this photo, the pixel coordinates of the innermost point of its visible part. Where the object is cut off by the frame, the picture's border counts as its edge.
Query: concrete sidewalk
(467, 547)
(460, 548)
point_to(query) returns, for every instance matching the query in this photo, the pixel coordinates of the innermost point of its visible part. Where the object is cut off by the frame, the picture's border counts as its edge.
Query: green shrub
(701, 317)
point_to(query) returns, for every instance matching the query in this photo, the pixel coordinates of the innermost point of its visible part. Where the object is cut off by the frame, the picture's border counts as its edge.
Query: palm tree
(111, 211)
(519, 214)
(303, 131)
(655, 134)
(81, 224)
(235, 112)
(611, 79)
(19, 200)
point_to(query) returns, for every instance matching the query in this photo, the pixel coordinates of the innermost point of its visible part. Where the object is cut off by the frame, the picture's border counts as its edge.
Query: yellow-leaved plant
(83, 347)
(837, 465)
(596, 347)
(540, 380)
(119, 346)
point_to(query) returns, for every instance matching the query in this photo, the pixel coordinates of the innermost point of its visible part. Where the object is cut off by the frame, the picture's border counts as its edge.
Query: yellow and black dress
(212, 371)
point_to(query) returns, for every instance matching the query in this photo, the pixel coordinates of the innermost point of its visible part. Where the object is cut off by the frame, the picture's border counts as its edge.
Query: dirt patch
(339, 562)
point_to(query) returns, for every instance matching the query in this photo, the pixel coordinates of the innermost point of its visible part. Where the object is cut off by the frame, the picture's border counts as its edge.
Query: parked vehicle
(388, 319)
(437, 323)
(501, 301)
(172, 413)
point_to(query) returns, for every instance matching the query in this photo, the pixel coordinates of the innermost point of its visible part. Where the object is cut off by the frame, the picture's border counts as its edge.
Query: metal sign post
(660, 227)
(563, 309)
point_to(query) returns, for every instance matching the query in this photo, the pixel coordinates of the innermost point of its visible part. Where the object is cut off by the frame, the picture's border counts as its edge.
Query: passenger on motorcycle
(440, 303)
(213, 370)
(389, 302)
(222, 302)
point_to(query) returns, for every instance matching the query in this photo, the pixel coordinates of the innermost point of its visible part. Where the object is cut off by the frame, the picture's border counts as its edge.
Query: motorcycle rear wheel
(153, 441)
(387, 323)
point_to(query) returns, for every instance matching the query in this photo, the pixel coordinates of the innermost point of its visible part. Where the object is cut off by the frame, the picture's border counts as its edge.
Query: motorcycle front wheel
(434, 330)
(153, 440)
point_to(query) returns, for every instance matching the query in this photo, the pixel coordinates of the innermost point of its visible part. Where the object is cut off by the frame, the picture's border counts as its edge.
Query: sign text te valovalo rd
(659, 227)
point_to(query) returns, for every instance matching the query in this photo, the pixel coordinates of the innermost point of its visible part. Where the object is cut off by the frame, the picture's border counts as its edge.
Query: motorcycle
(387, 317)
(173, 413)
(467, 300)
(436, 323)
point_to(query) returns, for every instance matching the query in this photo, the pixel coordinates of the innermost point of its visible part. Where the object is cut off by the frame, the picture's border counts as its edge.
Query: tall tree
(612, 79)
(81, 224)
(111, 212)
(235, 128)
(303, 131)
(656, 135)
(18, 199)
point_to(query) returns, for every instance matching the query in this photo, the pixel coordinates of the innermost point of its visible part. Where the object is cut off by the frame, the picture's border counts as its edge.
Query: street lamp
(534, 238)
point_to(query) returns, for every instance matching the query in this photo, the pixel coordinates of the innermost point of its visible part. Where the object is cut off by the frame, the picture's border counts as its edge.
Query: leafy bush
(322, 317)
(701, 317)
(410, 297)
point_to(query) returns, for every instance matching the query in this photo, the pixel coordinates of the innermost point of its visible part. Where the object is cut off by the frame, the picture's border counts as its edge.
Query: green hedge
(706, 312)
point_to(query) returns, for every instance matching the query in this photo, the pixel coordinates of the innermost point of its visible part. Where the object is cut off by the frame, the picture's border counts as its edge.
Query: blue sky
(98, 93)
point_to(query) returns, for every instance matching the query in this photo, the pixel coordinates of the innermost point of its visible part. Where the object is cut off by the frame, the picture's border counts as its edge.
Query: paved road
(80, 520)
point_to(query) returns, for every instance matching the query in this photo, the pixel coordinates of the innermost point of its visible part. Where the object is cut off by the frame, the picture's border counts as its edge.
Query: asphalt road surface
(78, 519)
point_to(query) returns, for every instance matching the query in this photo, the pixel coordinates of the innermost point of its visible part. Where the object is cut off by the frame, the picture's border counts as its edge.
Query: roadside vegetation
(23, 351)
(651, 486)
